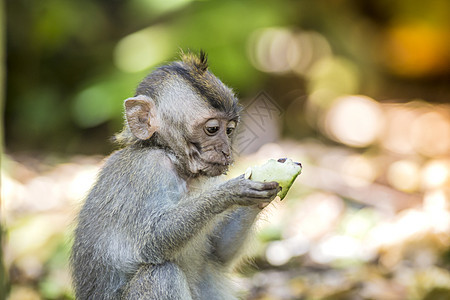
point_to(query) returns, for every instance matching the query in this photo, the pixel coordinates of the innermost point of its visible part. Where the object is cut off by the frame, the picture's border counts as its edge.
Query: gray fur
(155, 227)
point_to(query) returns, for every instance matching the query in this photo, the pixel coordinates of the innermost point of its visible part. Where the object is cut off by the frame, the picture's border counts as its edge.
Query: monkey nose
(227, 155)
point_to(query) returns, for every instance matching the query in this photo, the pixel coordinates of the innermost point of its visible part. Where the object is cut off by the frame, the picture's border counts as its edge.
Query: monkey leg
(159, 282)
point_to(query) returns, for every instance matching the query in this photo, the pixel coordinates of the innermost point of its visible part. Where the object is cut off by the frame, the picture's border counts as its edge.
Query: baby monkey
(159, 223)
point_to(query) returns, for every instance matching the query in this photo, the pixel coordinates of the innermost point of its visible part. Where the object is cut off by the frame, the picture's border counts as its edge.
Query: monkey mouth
(208, 164)
(212, 168)
(218, 164)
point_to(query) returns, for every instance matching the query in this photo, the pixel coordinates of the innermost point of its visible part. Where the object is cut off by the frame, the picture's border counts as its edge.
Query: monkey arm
(173, 228)
(168, 233)
(231, 234)
(148, 204)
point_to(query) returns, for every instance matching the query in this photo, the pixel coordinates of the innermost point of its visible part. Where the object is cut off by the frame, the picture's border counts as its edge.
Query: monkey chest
(196, 254)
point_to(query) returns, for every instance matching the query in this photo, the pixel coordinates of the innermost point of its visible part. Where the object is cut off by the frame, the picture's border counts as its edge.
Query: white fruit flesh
(283, 173)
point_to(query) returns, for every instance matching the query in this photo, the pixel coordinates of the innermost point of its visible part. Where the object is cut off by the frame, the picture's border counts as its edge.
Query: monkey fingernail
(263, 205)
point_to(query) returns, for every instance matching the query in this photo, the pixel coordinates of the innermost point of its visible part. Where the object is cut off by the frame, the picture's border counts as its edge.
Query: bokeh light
(430, 134)
(359, 170)
(92, 107)
(356, 121)
(273, 49)
(399, 119)
(404, 175)
(436, 173)
(415, 49)
(337, 74)
(277, 253)
(143, 49)
(281, 50)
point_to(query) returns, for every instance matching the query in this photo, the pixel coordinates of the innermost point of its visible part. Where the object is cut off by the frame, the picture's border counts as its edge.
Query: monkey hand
(246, 192)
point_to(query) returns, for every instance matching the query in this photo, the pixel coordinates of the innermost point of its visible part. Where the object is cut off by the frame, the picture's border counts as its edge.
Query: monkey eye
(212, 130)
(212, 126)
(231, 127)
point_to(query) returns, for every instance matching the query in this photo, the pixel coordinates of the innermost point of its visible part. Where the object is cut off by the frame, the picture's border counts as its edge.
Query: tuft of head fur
(199, 64)
(194, 69)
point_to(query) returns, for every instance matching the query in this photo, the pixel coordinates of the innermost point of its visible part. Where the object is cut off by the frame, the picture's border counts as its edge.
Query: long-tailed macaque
(159, 223)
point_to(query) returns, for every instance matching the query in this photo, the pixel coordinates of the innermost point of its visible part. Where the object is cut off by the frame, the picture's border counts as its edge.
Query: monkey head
(182, 107)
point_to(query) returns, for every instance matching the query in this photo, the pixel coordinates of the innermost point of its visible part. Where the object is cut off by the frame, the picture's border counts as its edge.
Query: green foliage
(67, 58)
(55, 284)
(72, 63)
(103, 101)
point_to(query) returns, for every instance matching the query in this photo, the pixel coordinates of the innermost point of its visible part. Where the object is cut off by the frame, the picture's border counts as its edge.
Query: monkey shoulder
(141, 162)
(148, 172)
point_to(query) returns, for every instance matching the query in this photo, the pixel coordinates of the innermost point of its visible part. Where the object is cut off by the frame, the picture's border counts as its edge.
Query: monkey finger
(272, 185)
(262, 194)
(263, 186)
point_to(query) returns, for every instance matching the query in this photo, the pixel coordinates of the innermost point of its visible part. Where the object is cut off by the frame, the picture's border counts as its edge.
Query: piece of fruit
(284, 171)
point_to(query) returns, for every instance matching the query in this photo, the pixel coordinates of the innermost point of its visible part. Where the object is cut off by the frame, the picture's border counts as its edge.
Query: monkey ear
(140, 112)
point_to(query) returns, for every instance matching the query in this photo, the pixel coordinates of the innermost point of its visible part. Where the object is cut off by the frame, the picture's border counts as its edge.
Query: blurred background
(357, 91)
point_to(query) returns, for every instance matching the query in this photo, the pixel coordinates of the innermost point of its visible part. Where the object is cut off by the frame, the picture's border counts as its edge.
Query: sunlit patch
(357, 223)
(13, 193)
(317, 213)
(338, 247)
(354, 120)
(143, 49)
(435, 201)
(81, 183)
(411, 222)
